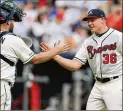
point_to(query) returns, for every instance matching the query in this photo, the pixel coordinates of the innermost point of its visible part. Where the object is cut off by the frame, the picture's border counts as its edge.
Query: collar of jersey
(95, 37)
(99, 35)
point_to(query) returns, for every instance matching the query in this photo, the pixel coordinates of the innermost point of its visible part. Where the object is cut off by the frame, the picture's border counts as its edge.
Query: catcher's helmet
(10, 11)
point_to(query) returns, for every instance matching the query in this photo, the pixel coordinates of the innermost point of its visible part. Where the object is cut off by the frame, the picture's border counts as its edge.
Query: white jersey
(13, 48)
(104, 54)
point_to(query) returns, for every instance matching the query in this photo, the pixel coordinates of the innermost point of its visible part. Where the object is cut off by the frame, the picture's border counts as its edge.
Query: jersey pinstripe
(104, 53)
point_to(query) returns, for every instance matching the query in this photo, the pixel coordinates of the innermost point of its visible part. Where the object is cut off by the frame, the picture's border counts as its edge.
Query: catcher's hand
(65, 47)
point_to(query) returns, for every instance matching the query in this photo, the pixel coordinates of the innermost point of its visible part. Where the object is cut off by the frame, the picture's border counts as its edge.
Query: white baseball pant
(5, 99)
(106, 96)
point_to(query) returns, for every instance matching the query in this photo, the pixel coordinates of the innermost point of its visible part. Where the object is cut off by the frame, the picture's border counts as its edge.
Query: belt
(103, 80)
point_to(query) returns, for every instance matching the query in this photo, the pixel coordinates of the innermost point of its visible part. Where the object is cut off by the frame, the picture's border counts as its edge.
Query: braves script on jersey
(92, 51)
(104, 53)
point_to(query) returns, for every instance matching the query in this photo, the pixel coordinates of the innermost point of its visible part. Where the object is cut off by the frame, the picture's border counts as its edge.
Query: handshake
(50, 53)
(58, 47)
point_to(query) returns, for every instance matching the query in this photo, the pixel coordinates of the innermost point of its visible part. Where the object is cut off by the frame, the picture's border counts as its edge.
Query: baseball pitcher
(103, 50)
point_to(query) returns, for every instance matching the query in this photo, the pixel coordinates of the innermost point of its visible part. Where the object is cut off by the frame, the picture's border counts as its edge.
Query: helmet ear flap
(3, 16)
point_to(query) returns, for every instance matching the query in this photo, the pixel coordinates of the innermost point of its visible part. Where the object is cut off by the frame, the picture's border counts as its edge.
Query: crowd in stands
(51, 20)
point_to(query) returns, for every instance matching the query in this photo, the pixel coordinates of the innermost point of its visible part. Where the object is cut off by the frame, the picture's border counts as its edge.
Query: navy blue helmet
(10, 11)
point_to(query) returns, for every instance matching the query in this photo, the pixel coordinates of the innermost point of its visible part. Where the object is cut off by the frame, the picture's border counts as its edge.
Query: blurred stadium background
(48, 86)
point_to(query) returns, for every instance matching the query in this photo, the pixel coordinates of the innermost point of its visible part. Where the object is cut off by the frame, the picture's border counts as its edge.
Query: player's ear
(102, 22)
(104, 19)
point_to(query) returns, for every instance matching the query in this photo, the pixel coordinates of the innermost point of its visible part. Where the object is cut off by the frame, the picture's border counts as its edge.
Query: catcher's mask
(10, 11)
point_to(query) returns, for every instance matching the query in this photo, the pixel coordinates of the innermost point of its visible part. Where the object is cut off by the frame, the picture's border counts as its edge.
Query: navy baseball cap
(94, 13)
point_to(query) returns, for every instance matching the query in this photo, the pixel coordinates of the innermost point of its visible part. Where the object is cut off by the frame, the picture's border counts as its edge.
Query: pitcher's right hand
(61, 48)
